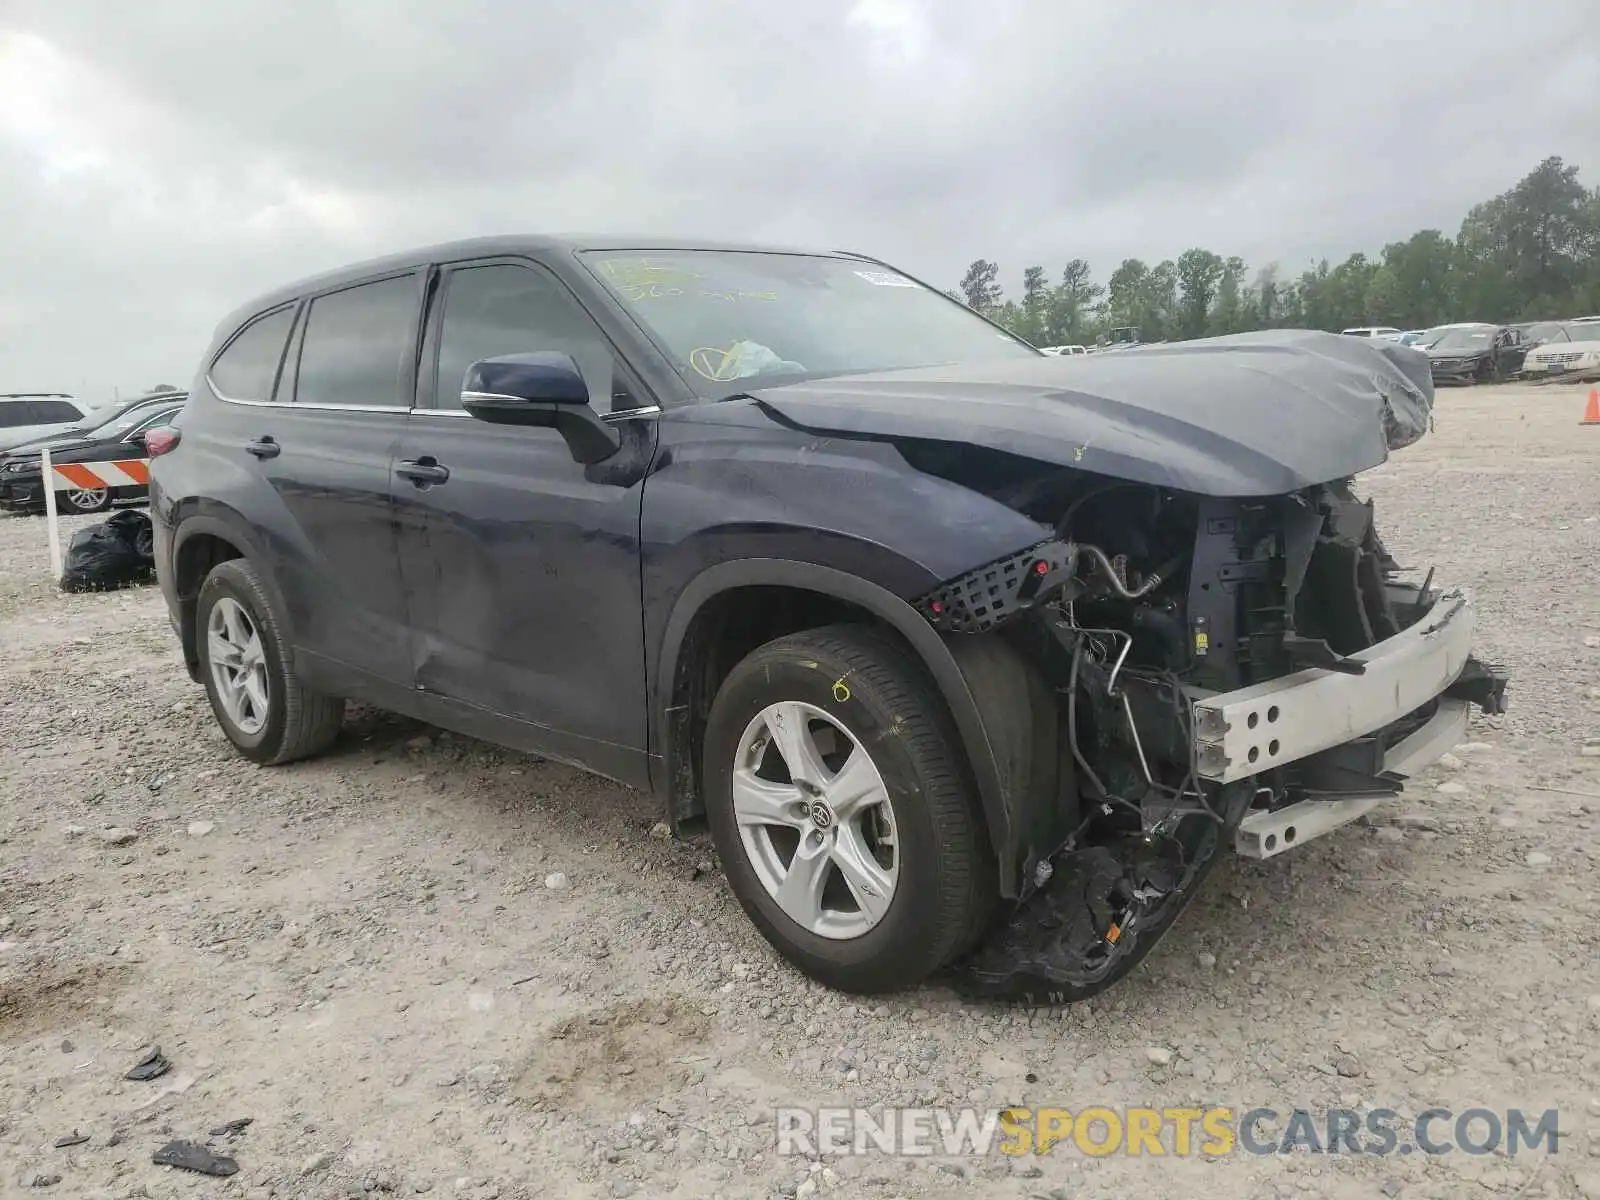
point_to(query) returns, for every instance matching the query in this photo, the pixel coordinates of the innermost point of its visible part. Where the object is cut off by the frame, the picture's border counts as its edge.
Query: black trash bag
(113, 554)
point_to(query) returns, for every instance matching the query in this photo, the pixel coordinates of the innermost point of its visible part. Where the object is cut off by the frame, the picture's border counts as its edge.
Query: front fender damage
(1097, 655)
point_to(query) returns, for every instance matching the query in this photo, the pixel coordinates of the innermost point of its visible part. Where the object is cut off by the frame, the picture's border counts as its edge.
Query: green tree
(1035, 306)
(1125, 294)
(1072, 303)
(1426, 270)
(1532, 252)
(1198, 273)
(979, 287)
(1161, 313)
(1236, 308)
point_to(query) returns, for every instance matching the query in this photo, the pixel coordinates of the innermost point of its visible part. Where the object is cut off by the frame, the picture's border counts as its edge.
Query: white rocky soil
(422, 965)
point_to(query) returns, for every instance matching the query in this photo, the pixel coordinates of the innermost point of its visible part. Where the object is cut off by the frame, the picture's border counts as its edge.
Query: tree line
(1530, 253)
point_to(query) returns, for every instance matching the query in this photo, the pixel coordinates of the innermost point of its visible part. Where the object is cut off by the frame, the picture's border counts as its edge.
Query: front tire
(844, 819)
(255, 693)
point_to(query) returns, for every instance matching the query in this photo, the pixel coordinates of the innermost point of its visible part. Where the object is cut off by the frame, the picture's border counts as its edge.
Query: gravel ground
(425, 965)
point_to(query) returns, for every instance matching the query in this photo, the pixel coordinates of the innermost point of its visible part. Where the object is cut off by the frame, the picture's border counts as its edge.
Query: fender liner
(670, 723)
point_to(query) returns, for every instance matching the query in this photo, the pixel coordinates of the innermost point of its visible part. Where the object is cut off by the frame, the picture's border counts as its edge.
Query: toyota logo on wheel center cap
(821, 814)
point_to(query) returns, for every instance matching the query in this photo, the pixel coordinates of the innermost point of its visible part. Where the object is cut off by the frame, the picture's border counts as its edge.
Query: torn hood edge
(1253, 414)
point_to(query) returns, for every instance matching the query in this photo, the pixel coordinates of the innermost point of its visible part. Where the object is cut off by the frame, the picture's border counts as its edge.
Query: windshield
(122, 423)
(1548, 331)
(728, 315)
(1464, 339)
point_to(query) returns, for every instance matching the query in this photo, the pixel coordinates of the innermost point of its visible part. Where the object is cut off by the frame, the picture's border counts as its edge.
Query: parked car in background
(1475, 354)
(119, 437)
(1372, 331)
(27, 415)
(1065, 350)
(1414, 337)
(98, 418)
(1537, 333)
(1575, 346)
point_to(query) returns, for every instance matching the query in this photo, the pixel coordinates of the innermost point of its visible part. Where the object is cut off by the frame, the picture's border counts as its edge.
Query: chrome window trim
(383, 408)
(652, 410)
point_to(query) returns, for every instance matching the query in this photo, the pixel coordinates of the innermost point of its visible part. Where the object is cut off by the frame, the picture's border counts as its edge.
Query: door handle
(263, 448)
(422, 471)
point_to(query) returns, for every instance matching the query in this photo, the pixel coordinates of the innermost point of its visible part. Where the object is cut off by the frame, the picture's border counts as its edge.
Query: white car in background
(28, 415)
(1065, 350)
(1575, 347)
(1373, 331)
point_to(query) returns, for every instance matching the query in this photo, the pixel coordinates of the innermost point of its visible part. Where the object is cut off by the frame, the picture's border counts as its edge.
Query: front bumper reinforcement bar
(1242, 733)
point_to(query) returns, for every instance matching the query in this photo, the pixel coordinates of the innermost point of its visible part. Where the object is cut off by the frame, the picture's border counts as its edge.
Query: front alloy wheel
(88, 500)
(815, 820)
(842, 811)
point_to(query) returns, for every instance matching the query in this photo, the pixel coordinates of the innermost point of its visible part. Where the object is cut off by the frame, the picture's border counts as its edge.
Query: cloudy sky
(161, 161)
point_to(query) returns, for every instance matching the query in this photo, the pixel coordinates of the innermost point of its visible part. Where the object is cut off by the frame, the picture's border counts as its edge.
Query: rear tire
(855, 691)
(286, 720)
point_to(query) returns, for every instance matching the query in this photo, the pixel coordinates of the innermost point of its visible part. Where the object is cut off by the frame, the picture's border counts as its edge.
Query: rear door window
(358, 345)
(14, 413)
(247, 368)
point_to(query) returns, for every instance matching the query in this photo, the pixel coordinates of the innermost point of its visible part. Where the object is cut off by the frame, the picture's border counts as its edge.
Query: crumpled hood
(1256, 414)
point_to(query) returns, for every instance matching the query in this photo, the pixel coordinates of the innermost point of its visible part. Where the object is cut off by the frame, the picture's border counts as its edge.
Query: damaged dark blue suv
(971, 656)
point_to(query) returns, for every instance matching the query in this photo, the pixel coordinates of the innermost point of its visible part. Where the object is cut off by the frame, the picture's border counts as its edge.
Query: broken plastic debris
(72, 1139)
(152, 1066)
(191, 1156)
(233, 1128)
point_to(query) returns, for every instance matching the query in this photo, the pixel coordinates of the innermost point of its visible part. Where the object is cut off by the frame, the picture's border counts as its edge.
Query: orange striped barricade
(83, 477)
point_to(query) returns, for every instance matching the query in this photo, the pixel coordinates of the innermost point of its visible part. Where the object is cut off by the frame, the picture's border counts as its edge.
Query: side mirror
(544, 388)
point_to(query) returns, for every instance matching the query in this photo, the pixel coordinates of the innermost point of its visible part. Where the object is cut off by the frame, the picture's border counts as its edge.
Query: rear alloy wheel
(87, 500)
(843, 816)
(255, 692)
(238, 665)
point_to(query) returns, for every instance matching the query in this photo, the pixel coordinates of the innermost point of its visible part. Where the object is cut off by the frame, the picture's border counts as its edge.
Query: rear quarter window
(247, 368)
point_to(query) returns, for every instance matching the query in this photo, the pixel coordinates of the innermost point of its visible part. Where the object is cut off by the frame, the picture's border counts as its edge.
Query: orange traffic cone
(1592, 417)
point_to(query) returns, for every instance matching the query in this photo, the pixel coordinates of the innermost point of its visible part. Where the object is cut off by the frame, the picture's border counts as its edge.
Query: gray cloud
(165, 160)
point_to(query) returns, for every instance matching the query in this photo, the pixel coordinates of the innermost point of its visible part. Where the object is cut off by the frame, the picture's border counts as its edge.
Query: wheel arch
(200, 541)
(690, 635)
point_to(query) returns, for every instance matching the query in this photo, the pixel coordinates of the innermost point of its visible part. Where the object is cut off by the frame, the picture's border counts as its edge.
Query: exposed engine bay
(1151, 616)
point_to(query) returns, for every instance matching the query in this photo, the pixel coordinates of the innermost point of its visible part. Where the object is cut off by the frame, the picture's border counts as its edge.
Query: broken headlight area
(1183, 638)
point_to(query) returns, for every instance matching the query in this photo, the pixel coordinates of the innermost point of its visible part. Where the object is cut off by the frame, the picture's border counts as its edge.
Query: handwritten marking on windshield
(648, 291)
(645, 271)
(735, 296)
